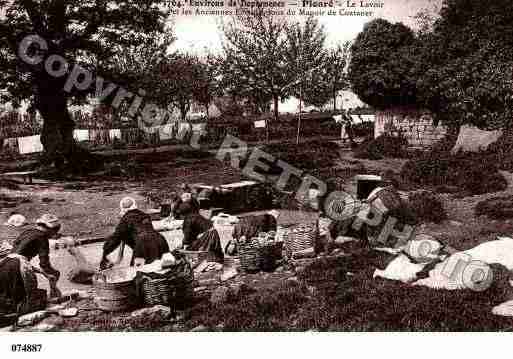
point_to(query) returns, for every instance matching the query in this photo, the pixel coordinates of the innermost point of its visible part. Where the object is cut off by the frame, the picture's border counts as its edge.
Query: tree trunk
(59, 146)
(334, 101)
(276, 112)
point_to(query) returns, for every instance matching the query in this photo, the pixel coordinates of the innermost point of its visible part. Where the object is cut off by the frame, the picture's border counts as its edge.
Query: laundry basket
(249, 256)
(300, 237)
(112, 293)
(173, 288)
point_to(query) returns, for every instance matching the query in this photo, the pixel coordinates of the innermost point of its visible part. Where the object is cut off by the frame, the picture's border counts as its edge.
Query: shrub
(496, 207)
(469, 172)
(383, 146)
(310, 156)
(426, 206)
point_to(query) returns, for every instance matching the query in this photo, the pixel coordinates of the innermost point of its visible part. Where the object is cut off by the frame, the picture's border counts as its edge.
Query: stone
(156, 312)
(455, 223)
(229, 274)
(32, 318)
(179, 327)
(54, 320)
(200, 328)
(220, 295)
(68, 312)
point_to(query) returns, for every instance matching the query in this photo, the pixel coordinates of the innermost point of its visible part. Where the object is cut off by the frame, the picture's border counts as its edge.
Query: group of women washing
(22, 242)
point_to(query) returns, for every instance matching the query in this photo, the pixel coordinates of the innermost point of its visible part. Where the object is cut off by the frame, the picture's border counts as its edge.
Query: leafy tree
(86, 33)
(184, 79)
(466, 73)
(255, 64)
(382, 62)
(305, 56)
(335, 73)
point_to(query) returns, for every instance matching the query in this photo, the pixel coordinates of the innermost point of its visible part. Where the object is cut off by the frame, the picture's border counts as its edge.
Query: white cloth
(259, 124)
(505, 309)
(400, 269)
(356, 119)
(338, 118)
(472, 139)
(115, 133)
(166, 131)
(30, 144)
(81, 135)
(368, 118)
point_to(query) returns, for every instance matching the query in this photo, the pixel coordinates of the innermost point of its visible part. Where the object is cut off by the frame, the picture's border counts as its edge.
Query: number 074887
(26, 348)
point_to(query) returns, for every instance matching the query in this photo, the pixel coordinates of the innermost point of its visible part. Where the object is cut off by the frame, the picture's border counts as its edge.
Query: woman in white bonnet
(135, 229)
(13, 227)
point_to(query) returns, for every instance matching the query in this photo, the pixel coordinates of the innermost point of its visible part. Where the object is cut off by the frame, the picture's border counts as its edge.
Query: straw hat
(16, 220)
(48, 220)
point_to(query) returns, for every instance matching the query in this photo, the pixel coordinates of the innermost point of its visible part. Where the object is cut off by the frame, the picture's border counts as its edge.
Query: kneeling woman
(199, 234)
(17, 275)
(135, 230)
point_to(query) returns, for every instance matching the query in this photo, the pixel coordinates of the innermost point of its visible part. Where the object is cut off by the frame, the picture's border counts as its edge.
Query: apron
(28, 277)
(211, 242)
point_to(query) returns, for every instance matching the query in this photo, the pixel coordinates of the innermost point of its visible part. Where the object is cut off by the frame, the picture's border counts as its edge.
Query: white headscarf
(16, 220)
(127, 204)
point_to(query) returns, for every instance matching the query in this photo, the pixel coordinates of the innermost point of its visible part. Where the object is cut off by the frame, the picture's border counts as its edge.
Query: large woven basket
(114, 297)
(300, 237)
(174, 289)
(249, 255)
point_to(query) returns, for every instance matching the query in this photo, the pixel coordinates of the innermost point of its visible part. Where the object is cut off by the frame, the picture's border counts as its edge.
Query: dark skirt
(150, 246)
(211, 242)
(12, 290)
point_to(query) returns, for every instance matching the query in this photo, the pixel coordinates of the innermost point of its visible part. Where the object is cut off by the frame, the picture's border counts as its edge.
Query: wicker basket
(249, 255)
(174, 288)
(114, 297)
(300, 237)
(269, 254)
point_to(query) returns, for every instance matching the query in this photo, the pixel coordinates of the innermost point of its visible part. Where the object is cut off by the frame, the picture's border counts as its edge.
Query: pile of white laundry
(468, 269)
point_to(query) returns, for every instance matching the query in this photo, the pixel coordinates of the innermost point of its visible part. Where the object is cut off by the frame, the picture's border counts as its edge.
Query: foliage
(383, 146)
(467, 172)
(306, 58)
(459, 66)
(255, 65)
(496, 207)
(467, 72)
(381, 64)
(183, 78)
(426, 206)
(85, 32)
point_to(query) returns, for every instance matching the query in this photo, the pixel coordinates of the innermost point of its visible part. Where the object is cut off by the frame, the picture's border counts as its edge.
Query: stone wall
(416, 125)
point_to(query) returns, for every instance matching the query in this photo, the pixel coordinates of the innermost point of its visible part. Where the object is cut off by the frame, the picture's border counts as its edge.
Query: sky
(195, 33)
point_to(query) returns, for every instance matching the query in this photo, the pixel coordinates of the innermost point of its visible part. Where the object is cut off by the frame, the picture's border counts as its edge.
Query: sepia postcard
(255, 166)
